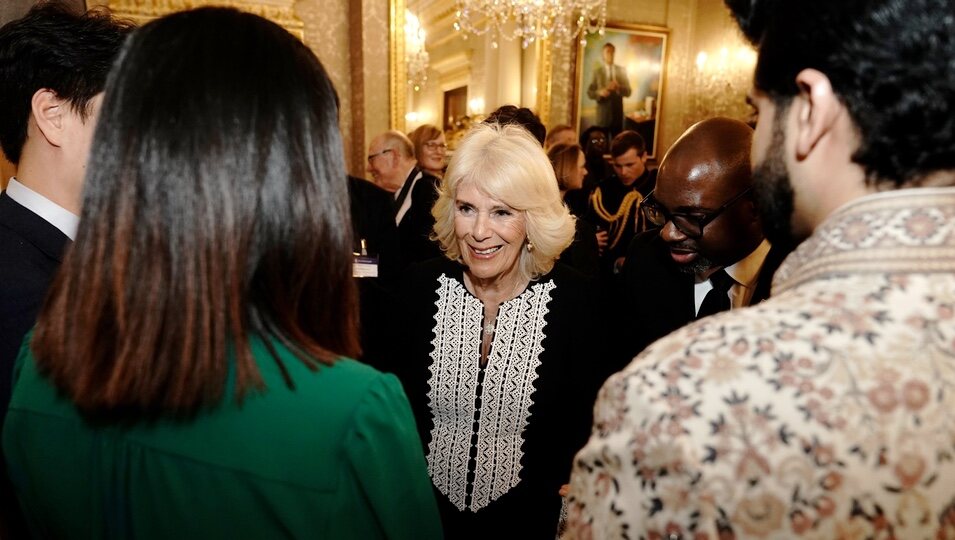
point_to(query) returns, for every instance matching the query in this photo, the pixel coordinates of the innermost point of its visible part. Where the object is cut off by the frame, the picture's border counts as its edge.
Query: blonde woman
(501, 390)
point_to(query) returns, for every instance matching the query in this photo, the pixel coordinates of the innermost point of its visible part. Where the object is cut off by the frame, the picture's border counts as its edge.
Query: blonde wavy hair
(508, 164)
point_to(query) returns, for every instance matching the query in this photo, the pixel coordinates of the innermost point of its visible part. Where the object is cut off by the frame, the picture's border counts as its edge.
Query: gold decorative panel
(142, 11)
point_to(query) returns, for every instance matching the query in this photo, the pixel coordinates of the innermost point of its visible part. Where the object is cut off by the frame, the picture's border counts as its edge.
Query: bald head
(706, 175)
(390, 159)
(714, 150)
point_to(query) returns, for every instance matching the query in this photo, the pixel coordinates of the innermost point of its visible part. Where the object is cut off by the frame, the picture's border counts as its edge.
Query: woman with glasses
(430, 149)
(187, 377)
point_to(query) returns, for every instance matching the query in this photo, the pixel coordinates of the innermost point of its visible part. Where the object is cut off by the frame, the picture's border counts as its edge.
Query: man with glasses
(825, 411)
(392, 164)
(709, 254)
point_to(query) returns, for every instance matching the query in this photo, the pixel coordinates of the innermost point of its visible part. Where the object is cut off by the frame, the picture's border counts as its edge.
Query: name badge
(365, 266)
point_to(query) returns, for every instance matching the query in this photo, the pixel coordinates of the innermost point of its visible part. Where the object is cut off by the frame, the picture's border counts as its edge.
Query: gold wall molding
(398, 69)
(545, 79)
(141, 11)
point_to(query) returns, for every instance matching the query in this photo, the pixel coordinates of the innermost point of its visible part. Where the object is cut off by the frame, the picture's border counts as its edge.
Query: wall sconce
(415, 54)
(475, 106)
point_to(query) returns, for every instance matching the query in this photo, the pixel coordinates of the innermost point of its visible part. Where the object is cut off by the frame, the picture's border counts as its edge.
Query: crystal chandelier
(415, 54)
(533, 20)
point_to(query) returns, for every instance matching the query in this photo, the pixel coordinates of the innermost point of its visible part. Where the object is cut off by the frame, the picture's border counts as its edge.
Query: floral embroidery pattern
(824, 412)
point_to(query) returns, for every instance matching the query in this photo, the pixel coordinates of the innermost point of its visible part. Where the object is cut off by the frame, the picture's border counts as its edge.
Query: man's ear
(49, 112)
(818, 109)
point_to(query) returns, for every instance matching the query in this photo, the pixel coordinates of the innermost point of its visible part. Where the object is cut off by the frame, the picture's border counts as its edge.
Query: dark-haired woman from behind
(188, 377)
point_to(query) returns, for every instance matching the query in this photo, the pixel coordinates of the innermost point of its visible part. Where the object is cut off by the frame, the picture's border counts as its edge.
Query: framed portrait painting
(619, 80)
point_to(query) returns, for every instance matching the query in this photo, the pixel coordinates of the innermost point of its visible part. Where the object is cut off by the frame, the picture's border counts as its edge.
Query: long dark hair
(215, 210)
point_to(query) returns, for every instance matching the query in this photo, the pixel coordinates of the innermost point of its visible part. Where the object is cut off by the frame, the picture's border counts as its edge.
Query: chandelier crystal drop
(416, 54)
(561, 21)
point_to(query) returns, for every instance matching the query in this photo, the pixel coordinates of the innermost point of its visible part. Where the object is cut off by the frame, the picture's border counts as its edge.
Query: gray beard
(699, 265)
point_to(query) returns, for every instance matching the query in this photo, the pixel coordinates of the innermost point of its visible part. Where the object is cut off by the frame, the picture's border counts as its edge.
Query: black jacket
(659, 298)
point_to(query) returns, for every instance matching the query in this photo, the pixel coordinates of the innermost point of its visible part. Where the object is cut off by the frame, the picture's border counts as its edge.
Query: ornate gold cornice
(141, 11)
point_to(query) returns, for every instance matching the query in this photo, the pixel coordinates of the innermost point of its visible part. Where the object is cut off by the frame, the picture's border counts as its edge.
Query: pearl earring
(530, 247)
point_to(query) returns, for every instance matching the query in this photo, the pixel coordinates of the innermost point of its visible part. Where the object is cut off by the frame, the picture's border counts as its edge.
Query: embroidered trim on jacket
(506, 397)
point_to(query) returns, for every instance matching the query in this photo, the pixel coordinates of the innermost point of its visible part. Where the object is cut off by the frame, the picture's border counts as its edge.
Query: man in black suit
(391, 162)
(376, 237)
(709, 253)
(53, 67)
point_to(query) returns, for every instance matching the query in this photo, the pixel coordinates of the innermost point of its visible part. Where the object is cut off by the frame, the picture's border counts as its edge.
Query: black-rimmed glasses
(689, 224)
(373, 156)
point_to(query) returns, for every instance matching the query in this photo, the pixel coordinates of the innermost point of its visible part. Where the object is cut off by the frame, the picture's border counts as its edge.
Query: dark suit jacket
(582, 254)
(659, 298)
(31, 250)
(373, 219)
(416, 225)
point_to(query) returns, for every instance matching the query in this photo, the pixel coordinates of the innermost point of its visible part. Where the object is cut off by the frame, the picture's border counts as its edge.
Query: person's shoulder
(423, 275)
(434, 267)
(365, 190)
(569, 282)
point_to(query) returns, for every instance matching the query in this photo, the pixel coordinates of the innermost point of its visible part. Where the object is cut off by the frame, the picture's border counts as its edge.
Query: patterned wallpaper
(326, 33)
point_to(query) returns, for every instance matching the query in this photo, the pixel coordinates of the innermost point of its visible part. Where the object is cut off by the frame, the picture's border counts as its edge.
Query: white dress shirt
(56, 215)
(744, 272)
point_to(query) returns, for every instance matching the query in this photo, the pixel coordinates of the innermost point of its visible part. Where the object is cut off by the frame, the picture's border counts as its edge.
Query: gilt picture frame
(625, 94)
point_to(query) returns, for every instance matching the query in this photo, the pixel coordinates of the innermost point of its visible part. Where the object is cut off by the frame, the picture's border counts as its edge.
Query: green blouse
(338, 457)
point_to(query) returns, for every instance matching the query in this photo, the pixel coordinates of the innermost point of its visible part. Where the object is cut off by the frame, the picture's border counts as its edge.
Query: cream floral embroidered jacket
(827, 411)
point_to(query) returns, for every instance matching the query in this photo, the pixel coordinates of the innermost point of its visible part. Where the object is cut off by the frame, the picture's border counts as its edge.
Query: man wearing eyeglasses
(709, 254)
(825, 411)
(392, 164)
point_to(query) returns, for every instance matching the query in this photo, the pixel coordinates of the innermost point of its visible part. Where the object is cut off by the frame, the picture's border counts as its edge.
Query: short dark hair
(624, 141)
(585, 136)
(215, 212)
(53, 47)
(609, 45)
(521, 116)
(889, 61)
